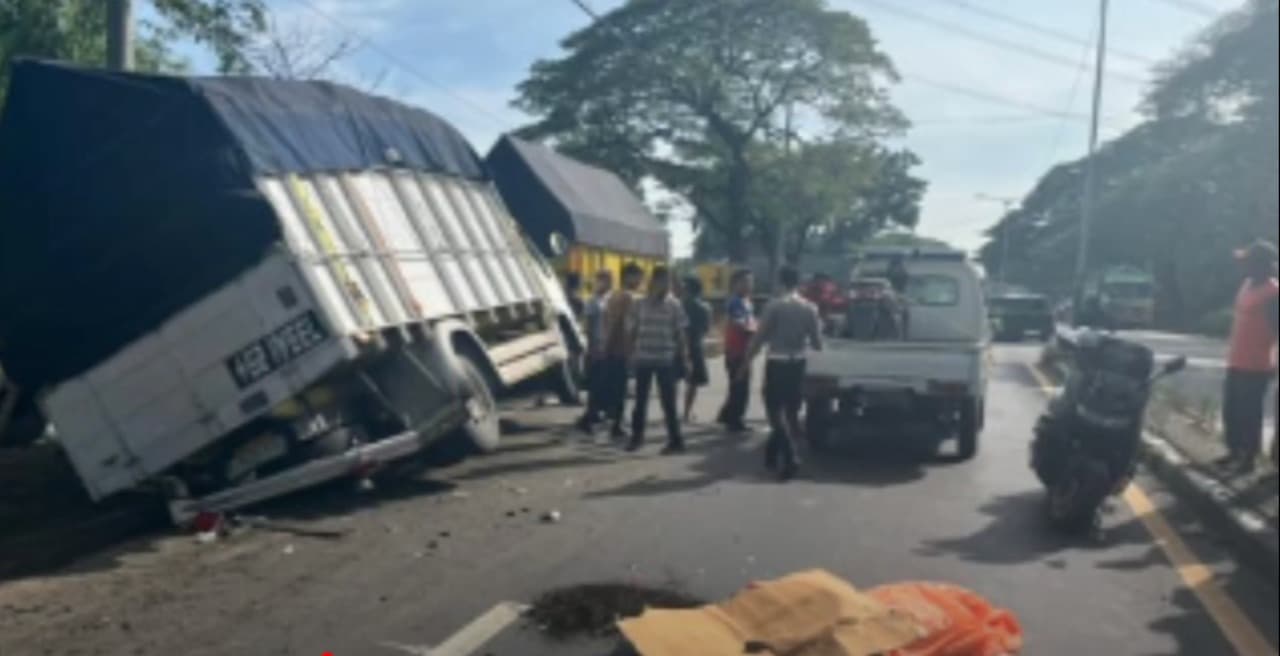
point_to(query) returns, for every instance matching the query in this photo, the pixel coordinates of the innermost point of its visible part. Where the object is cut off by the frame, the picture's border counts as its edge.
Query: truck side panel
(387, 247)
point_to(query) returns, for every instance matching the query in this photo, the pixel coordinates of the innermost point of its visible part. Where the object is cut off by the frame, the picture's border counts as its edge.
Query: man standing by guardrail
(1251, 356)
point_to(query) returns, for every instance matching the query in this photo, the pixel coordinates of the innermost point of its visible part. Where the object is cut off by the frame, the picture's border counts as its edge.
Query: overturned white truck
(237, 287)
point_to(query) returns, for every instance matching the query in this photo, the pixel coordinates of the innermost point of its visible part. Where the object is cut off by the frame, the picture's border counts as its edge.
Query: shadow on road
(1019, 533)
(721, 458)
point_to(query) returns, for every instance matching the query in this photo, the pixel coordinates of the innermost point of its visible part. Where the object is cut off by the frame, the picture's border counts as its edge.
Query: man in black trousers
(789, 325)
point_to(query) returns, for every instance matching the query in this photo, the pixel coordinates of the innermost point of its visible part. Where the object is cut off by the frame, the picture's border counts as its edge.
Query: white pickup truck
(933, 382)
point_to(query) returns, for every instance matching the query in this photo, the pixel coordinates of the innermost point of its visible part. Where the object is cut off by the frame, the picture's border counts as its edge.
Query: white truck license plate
(259, 359)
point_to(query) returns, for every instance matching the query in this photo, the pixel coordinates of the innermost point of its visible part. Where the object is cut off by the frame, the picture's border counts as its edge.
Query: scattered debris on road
(551, 517)
(592, 610)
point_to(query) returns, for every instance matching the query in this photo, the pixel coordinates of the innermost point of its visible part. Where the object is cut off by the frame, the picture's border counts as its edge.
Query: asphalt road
(402, 569)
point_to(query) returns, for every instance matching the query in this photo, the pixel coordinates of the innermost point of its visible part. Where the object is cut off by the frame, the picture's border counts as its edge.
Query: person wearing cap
(739, 327)
(790, 324)
(1251, 356)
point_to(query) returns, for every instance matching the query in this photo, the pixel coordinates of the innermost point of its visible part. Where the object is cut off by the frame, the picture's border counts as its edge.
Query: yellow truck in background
(714, 277)
(586, 260)
(580, 216)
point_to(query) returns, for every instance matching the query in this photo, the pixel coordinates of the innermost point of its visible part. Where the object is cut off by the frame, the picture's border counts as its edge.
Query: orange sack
(959, 622)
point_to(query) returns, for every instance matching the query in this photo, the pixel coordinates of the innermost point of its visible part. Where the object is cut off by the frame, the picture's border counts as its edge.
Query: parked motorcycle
(1086, 444)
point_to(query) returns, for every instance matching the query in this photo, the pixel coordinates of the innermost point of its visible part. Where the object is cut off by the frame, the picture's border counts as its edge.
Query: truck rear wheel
(563, 379)
(970, 425)
(481, 429)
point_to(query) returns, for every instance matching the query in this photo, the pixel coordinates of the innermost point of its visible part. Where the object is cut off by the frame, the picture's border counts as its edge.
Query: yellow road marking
(1042, 380)
(1231, 620)
(1235, 625)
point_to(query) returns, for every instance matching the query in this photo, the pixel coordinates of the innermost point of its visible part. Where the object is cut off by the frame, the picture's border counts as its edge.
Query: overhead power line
(993, 98)
(1075, 90)
(1192, 7)
(977, 94)
(1050, 32)
(395, 60)
(952, 27)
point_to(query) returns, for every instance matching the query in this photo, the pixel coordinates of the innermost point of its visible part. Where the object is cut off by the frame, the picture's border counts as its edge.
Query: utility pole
(120, 35)
(1009, 204)
(1087, 200)
(780, 249)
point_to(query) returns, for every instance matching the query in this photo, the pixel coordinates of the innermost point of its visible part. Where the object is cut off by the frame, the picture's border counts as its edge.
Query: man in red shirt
(739, 327)
(1251, 358)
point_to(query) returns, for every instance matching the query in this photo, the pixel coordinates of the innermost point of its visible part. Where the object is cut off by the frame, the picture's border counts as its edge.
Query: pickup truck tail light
(948, 388)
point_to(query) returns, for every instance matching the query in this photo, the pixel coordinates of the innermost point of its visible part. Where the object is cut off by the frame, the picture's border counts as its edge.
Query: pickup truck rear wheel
(817, 421)
(970, 425)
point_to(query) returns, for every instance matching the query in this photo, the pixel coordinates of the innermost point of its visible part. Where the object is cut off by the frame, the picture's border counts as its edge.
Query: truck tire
(563, 380)
(817, 421)
(970, 425)
(481, 430)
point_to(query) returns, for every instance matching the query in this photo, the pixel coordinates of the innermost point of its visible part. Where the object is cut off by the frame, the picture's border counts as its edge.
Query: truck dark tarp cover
(548, 193)
(126, 197)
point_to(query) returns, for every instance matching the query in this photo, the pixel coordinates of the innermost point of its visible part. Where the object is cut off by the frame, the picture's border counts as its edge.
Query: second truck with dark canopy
(584, 216)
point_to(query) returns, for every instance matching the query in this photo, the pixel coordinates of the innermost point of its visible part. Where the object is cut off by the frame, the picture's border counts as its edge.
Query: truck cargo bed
(918, 366)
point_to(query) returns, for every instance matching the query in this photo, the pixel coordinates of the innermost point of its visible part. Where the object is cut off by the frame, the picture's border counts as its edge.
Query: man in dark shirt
(698, 316)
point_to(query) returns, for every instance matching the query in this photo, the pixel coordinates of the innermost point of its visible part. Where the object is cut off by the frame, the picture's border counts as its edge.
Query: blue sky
(463, 58)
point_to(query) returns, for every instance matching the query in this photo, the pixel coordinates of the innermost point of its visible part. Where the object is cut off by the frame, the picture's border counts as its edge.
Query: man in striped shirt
(657, 351)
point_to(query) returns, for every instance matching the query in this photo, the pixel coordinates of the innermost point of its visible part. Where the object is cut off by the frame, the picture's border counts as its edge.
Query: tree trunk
(736, 222)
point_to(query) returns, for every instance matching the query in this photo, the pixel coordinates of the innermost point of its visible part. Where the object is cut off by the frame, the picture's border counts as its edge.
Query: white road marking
(469, 638)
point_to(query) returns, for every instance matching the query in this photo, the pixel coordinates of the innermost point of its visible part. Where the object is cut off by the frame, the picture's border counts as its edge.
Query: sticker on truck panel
(257, 360)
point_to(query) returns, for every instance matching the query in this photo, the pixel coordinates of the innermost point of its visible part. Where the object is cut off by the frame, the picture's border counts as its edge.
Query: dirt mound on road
(592, 609)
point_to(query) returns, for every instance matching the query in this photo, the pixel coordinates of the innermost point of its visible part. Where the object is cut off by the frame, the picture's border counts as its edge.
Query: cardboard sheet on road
(811, 613)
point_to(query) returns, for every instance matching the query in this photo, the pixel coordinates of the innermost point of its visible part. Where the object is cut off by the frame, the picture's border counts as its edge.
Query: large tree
(1177, 192)
(75, 30)
(693, 94)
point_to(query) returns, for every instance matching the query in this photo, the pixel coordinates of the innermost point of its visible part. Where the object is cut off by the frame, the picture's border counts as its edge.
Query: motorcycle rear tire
(1072, 503)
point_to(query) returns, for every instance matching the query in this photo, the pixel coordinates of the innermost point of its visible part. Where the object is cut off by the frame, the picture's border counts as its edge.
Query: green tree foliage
(694, 95)
(75, 30)
(900, 239)
(1179, 191)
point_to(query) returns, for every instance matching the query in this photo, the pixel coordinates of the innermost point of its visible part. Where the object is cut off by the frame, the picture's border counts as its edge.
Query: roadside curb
(1249, 532)
(1246, 531)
